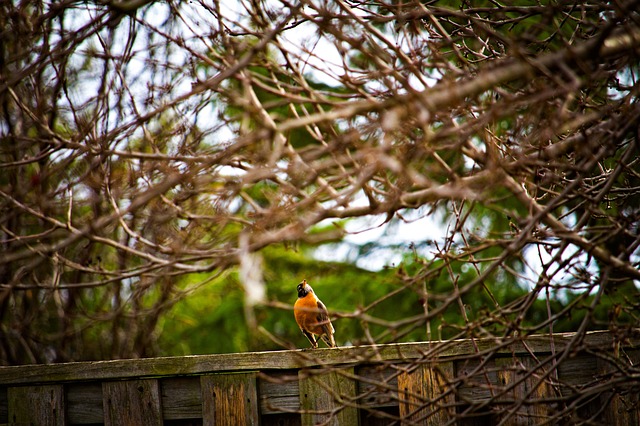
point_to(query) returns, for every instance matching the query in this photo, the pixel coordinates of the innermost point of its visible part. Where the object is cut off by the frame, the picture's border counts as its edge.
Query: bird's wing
(323, 318)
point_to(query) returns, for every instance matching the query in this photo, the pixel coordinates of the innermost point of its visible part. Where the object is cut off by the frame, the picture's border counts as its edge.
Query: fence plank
(378, 386)
(522, 380)
(37, 405)
(4, 405)
(325, 397)
(425, 394)
(621, 408)
(132, 402)
(181, 398)
(229, 399)
(84, 403)
(252, 361)
(279, 392)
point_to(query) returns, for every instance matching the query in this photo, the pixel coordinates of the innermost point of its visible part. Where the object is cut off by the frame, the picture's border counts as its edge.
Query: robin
(312, 316)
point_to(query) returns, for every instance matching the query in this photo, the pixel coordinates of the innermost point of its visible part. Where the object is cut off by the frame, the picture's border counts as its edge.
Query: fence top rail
(300, 358)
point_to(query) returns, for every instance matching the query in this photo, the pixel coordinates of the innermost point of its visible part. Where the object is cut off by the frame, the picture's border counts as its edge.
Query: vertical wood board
(181, 398)
(84, 403)
(132, 402)
(327, 398)
(4, 405)
(621, 408)
(521, 382)
(37, 405)
(379, 387)
(425, 393)
(279, 392)
(229, 399)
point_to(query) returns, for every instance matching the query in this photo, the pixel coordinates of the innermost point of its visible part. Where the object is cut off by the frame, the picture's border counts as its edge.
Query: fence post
(325, 398)
(531, 392)
(132, 402)
(622, 404)
(38, 405)
(425, 396)
(229, 399)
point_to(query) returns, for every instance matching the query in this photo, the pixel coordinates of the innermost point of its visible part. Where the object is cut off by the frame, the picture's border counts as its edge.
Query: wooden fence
(570, 379)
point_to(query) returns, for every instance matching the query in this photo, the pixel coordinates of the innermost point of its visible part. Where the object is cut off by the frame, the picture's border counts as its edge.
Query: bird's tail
(329, 340)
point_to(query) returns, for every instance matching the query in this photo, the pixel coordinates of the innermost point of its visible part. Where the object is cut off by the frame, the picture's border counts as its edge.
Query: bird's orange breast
(306, 313)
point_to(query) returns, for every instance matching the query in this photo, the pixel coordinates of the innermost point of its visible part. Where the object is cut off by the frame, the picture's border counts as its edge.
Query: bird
(312, 316)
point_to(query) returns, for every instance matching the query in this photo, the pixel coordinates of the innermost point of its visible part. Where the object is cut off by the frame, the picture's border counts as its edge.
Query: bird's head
(304, 289)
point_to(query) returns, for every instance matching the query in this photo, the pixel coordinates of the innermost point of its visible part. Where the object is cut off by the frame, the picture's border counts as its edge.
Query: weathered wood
(229, 399)
(36, 405)
(204, 364)
(478, 379)
(574, 370)
(84, 403)
(181, 398)
(425, 393)
(328, 397)
(377, 386)
(132, 402)
(4, 406)
(279, 392)
(523, 380)
(387, 384)
(623, 407)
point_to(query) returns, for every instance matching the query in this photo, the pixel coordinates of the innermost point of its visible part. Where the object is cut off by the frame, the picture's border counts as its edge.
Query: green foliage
(411, 302)
(212, 319)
